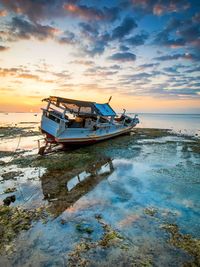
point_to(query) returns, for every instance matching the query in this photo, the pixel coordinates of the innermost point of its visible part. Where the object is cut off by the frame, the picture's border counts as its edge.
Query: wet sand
(130, 201)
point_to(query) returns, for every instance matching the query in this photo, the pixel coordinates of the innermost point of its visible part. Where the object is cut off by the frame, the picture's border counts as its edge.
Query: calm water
(188, 123)
(119, 179)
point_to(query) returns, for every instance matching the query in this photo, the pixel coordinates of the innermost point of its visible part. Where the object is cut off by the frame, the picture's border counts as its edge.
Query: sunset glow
(143, 53)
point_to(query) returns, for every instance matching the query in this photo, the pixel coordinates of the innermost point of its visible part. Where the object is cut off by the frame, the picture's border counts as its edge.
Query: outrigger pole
(109, 99)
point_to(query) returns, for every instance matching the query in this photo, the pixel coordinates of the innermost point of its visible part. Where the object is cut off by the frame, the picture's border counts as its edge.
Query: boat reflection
(64, 190)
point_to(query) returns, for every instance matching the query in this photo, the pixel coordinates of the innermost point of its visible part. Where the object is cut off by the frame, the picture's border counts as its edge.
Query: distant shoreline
(139, 113)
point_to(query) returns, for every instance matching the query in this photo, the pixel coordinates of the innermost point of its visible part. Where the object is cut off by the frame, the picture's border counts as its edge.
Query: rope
(14, 152)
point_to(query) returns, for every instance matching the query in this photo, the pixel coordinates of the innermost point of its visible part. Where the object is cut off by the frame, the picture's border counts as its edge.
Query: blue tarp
(105, 110)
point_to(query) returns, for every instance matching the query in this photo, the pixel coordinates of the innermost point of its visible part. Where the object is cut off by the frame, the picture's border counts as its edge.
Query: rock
(98, 216)
(2, 163)
(62, 221)
(9, 199)
(84, 228)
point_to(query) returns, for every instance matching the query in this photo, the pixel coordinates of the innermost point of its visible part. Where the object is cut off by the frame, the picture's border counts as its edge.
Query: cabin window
(52, 117)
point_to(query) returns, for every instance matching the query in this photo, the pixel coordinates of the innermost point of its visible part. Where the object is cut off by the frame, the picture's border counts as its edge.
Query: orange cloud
(5, 72)
(3, 13)
(28, 76)
(83, 11)
(158, 9)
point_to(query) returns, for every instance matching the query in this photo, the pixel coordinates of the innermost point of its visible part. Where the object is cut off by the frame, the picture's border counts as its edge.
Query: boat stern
(49, 127)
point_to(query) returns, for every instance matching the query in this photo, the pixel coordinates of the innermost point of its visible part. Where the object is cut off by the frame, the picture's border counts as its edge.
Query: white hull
(68, 121)
(81, 135)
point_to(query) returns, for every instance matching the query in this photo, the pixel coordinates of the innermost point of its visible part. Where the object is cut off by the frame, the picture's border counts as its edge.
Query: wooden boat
(74, 122)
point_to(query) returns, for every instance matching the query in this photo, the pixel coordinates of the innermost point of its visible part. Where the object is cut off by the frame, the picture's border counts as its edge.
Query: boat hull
(86, 140)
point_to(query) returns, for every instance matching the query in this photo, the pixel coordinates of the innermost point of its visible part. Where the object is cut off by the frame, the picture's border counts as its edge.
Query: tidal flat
(129, 201)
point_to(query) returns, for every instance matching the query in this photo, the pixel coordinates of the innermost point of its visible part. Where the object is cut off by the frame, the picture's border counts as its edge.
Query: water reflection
(64, 190)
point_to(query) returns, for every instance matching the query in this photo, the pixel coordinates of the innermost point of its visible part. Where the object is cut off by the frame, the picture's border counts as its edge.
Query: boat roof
(82, 107)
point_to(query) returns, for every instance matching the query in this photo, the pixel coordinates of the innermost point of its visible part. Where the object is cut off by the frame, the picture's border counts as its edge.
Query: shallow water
(120, 181)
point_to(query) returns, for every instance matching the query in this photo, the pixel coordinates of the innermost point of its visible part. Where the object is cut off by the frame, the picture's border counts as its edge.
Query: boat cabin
(77, 113)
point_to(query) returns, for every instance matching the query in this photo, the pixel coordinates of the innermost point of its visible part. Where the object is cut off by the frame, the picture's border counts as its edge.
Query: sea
(188, 124)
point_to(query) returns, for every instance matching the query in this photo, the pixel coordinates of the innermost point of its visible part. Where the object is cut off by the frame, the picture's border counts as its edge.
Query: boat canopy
(81, 107)
(105, 109)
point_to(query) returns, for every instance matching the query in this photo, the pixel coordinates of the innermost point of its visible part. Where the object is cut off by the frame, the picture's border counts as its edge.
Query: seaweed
(13, 220)
(184, 242)
(10, 190)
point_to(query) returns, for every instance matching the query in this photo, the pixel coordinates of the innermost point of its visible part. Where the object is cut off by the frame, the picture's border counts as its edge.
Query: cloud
(196, 17)
(97, 44)
(190, 32)
(97, 39)
(123, 48)
(91, 13)
(3, 13)
(24, 29)
(67, 38)
(35, 10)
(138, 76)
(160, 7)
(94, 40)
(179, 33)
(115, 67)
(123, 57)
(62, 75)
(127, 25)
(162, 38)
(89, 29)
(171, 69)
(99, 71)
(187, 56)
(9, 71)
(183, 91)
(194, 69)
(149, 65)
(137, 40)
(3, 48)
(82, 62)
(28, 76)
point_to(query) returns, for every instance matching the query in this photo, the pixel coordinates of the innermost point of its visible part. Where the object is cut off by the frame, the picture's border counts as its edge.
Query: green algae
(64, 160)
(10, 190)
(195, 146)
(11, 175)
(84, 228)
(13, 220)
(184, 242)
(110, 236)
(10, 131)
(150, 211)
(114, 248)
(151, 133)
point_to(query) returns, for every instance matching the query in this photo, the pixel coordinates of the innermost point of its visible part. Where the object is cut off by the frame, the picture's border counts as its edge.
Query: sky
(143, 53)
